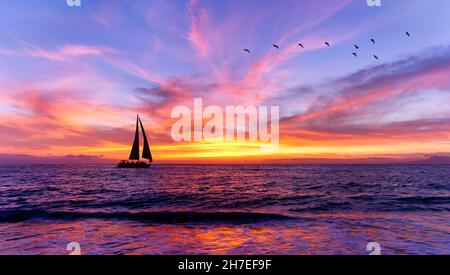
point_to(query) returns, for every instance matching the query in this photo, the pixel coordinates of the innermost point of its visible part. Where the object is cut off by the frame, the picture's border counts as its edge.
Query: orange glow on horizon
(247, 152)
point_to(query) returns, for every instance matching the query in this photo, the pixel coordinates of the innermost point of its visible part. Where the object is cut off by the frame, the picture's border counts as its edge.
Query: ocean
(225, 209)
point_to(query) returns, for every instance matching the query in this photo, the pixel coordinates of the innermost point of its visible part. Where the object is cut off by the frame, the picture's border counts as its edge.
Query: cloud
(61, 53)
(357, 107)
(198, 20)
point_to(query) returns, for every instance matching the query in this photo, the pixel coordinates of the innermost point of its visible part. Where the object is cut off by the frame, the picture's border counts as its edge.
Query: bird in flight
(328, 44)
(247, 50)
(276, 46)
(356, 47)
(301, 45)
(376, 57)
(408, 34)
(372, 40)
(355, 54)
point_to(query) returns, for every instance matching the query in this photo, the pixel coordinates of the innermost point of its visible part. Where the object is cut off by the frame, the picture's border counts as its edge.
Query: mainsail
(146, 154)
(134, 155)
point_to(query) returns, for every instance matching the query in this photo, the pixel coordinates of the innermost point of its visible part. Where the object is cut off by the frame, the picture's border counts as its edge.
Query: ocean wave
(426, 199)
(153, 217)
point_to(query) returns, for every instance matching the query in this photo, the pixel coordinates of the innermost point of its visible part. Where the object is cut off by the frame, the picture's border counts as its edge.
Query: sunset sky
(73, 79)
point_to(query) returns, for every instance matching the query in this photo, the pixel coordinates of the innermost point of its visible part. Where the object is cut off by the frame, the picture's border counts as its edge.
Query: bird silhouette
(376, 57)
(372, 40)
(356, 47)
(301, 45)
(276, 46)
(355, 54)
(408, 34)
(247, 50)
(328, 44)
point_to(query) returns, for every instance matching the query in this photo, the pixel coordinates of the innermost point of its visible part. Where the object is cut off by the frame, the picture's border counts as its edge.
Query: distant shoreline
(7, 159)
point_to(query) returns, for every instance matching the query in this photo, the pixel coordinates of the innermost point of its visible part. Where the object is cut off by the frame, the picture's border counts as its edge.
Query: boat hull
(133, 165)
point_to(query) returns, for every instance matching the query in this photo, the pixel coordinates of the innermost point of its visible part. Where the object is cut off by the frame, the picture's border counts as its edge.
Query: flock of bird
(328, 45)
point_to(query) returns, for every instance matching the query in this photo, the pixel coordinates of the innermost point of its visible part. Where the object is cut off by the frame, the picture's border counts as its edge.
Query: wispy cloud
(198, 20)
(359, 108)
(61, 53)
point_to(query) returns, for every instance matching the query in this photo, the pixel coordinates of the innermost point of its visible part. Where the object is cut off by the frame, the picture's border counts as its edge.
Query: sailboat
(134, 161)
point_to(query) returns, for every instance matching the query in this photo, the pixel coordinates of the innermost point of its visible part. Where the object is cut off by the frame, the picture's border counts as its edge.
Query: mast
(134, 155)
(146, 154)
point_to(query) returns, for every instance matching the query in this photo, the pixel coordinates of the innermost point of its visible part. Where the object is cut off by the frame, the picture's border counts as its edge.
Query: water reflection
(413, 234)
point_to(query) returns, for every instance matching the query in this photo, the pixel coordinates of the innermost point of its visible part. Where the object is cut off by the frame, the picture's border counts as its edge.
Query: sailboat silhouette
(134, 155)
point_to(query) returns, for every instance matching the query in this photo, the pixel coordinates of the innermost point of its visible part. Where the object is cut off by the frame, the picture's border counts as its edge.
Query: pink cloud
(66, 52)
(61, 53)
(198, 19)
(355, 112)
